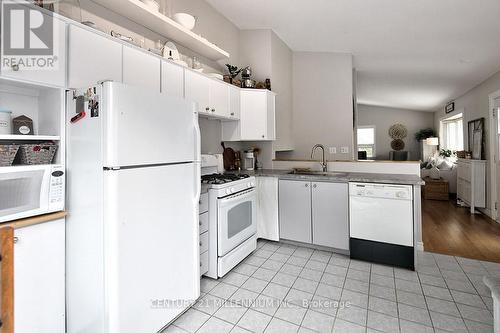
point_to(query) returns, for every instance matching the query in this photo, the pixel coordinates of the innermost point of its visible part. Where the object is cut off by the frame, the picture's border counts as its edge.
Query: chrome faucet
(323, 162)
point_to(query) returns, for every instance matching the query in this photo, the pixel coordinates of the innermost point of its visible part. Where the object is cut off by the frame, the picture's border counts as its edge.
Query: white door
(39, 288)
(152, 252)
(295, 210)
(330, 211)
(267, 208)
(497, 155)
(92, 58)
(253, 115)
(141, 69)
(172, 79)
(55, 76)
(219, 98)
(144, 127)
(197, 89)
(234, 102)
(237, 220)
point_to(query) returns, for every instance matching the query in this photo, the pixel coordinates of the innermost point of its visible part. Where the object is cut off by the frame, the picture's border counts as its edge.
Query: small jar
(5, 122)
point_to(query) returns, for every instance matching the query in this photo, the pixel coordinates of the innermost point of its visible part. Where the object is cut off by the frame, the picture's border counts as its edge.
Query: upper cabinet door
(271, 116)
(56, 75)
(253, 115)
(197, 88)
(172, 79)
(141, 69)
(219, 98)
(234, 102)
(330, 215)
(92, 58)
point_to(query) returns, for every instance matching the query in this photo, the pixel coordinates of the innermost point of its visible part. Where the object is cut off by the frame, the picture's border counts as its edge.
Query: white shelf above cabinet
(141, 14)
(18, 137)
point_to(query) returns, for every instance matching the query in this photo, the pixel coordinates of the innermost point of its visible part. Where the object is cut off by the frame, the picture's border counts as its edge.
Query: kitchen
(120, 178)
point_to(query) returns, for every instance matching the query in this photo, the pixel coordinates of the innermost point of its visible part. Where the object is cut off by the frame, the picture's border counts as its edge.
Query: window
(452, 133)
(366, 140)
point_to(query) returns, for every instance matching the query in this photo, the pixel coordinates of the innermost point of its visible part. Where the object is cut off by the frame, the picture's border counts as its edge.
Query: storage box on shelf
(257, 117)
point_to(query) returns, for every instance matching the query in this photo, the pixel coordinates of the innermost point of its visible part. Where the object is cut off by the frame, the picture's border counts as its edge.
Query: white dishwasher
(381, 223)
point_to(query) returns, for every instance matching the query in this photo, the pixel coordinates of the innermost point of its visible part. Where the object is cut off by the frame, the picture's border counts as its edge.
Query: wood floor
(452, 230)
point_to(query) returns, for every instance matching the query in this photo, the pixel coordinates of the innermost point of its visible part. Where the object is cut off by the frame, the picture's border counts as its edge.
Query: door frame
(493, 154)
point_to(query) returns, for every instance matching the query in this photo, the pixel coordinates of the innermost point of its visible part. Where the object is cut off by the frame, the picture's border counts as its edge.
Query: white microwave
(31, 190)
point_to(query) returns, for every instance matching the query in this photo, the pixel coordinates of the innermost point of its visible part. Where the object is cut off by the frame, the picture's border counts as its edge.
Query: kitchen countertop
(339, 177)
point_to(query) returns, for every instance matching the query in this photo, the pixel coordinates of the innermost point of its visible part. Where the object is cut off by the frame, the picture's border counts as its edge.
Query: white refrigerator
(132, 195)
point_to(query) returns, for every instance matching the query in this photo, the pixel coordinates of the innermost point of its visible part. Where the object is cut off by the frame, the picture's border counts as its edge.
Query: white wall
(322, 104)
(475, 104)
(383, 118)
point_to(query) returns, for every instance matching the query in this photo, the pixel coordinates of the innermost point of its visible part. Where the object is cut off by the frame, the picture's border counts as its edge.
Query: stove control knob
(232, 189)
(249, 184)
(227, 191)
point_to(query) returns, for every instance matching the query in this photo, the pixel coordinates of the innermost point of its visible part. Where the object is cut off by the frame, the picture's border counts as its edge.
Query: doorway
(495, 154)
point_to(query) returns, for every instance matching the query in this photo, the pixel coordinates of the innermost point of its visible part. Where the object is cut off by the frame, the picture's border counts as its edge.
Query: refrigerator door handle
(197, 135)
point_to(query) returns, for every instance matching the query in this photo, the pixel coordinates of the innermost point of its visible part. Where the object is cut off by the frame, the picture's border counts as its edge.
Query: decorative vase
(434, 173)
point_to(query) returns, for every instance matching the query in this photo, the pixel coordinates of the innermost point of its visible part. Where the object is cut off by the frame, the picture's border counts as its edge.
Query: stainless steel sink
(317, 173)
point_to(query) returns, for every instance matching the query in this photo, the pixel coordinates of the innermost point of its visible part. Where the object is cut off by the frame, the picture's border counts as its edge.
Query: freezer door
(151, 245)
(143, 127)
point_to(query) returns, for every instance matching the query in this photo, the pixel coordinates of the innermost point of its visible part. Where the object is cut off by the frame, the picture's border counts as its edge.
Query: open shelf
(157, 22)
(18, 137)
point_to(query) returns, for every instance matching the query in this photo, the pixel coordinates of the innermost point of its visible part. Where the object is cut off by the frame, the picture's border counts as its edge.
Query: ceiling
(413, 54)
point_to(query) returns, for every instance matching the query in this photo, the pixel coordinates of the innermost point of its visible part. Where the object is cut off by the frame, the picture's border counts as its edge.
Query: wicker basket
(7, 154)
(42, 153)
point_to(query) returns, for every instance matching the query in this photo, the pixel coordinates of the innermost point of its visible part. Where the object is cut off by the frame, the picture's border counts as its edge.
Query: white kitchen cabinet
(219, 98)
(295, 210)
(267, 208)
(330, 221)
(172, 79)
(55, 76)
(39, 278)
(257, 118)
(234, 102)
(141, 69)
(471, 183)
(92, 58)
(197, 88)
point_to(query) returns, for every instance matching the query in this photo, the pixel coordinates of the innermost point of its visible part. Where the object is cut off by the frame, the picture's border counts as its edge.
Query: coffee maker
(248, 161)
(246, 81)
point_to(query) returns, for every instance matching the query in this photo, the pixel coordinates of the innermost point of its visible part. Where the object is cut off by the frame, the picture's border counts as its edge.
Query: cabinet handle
(232, 113)
(201, 244)
(200, 223)
(15, 67)
(314, 185)
(263, 136)
(16, 239)
(207, 109)
(201, 264)
(307, 184)
(213, 110)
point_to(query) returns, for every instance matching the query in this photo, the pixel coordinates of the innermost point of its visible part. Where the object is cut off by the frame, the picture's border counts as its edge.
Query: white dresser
(471, 183)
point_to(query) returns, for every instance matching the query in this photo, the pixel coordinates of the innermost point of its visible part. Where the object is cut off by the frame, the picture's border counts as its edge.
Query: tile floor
(284, 288)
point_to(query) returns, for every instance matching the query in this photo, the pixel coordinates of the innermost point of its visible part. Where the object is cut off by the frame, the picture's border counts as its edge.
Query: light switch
(333, 150)
(344, 150)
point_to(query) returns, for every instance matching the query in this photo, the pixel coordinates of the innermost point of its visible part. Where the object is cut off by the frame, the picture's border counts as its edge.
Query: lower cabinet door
(295, 210)
(39, 283)
(330, 215)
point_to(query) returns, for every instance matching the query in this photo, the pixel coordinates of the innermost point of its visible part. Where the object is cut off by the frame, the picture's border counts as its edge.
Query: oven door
(237, 216)
(23, 191)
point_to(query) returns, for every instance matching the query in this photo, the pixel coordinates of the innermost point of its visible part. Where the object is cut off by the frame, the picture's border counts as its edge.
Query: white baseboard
(420, 246)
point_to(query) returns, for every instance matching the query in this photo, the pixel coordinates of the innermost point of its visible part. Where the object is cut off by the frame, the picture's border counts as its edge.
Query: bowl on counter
(186, 20)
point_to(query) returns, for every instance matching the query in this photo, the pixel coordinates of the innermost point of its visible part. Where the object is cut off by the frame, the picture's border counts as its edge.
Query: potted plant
(424, 134)
(233, 72)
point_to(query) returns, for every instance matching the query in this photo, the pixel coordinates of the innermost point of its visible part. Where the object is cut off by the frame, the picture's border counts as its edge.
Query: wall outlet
(333, 150)
(344, 150)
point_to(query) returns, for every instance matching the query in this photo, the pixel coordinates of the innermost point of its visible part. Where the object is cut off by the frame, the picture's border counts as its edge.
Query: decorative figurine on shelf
(233, 73)
(22, 125)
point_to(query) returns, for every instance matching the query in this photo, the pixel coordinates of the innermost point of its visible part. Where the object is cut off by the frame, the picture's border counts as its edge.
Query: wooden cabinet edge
(7, 279)
(34, 220)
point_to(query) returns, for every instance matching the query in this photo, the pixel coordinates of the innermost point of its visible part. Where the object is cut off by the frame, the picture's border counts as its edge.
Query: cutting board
(228, 157)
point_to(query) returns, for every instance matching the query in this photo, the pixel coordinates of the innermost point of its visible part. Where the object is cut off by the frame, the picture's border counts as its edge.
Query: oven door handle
(237, 197)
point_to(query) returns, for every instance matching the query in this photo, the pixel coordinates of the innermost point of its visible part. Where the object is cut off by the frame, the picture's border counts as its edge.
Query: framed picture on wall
(476, 138)
(450, 107)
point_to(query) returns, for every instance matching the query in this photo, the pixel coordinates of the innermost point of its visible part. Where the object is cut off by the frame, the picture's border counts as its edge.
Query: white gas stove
(232, 216)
